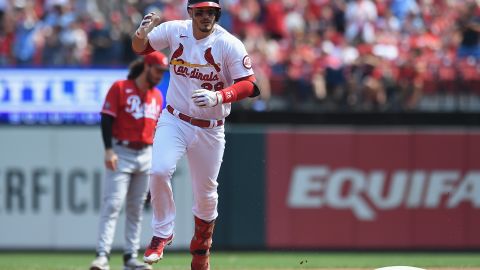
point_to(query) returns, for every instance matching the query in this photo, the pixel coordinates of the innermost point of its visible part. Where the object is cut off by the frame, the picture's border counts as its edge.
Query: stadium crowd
(346, 55)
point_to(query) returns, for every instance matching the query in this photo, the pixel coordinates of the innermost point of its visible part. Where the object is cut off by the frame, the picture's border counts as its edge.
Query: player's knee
(159, 177)
(134, 215)
(112, 207)
(135, 206)
(162, 173)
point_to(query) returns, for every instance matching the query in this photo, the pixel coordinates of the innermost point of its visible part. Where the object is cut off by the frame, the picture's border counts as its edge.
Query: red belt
(195, 121)
(133, 145)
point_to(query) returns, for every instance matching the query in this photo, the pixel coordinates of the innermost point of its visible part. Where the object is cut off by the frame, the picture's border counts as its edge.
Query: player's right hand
(148, 23)
(111, 159)
(205, 98)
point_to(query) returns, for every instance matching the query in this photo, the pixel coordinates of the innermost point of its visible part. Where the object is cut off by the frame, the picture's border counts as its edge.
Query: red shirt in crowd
(135, 113)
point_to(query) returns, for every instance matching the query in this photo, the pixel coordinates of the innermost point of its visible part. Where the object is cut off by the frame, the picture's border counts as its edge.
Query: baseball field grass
(254, 260)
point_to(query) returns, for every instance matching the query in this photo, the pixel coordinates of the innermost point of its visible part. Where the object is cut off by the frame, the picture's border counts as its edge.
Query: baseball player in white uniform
(210, 69)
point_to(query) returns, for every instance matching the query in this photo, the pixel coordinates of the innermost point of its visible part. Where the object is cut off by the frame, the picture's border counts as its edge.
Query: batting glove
(206, 98)
(148, 23)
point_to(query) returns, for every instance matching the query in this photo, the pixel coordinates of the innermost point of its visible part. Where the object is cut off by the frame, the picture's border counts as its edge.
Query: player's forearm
(106, 124)
(240, 90)
(139, 45)
(141, 48)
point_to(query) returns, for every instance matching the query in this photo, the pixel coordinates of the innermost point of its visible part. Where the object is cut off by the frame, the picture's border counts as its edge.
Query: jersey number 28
(217, 87)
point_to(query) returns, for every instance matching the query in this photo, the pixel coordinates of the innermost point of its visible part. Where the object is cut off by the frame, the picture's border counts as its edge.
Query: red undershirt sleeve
(239, 90)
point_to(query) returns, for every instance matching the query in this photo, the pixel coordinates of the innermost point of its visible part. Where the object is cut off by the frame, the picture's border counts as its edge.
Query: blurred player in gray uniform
(210, 68)
(128, 120)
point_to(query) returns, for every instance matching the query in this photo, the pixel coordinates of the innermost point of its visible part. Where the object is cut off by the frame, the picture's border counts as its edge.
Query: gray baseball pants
(128, 183)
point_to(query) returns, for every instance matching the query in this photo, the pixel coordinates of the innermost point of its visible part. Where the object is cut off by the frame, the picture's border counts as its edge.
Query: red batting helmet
(206, 3)
(157, 58)
(203, 3)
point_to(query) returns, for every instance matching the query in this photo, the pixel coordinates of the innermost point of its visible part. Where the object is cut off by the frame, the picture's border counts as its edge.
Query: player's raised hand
(111, 159)
(148, 23)
(206, 98)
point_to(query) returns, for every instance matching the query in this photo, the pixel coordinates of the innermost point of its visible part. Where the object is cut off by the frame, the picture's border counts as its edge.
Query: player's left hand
(206, 98)
(147, 24)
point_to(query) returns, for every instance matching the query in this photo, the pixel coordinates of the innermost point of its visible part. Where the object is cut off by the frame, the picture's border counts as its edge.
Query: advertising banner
(51, 185)
(373, 189)
(54, 96)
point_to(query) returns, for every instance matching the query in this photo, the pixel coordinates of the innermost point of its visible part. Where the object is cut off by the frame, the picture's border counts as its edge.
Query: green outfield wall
(241, 223)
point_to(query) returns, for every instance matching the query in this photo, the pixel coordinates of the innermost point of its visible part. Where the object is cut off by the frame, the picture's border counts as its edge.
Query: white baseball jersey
(212, 63)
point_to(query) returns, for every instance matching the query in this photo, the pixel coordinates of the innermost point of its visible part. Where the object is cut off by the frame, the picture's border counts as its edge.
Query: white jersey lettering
(138, 110)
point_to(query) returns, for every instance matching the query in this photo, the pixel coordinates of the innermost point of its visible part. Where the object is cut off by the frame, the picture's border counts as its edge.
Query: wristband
(219, 98)
(228, 95)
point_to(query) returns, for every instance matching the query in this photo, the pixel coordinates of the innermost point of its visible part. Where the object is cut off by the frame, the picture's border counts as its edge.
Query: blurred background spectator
(315, 55)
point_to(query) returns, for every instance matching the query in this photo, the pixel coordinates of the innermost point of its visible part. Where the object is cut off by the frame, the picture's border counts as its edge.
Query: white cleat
(100, 263)
(153, 258)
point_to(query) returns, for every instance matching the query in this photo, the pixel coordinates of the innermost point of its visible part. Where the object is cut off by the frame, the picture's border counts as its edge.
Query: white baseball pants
(204, 148)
